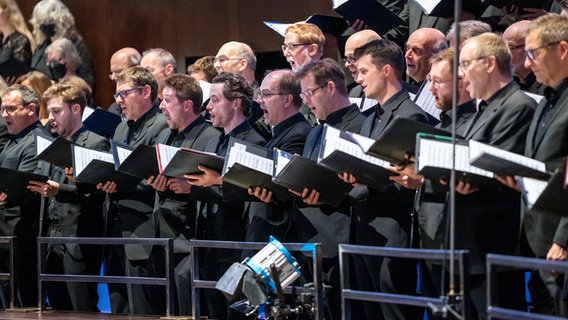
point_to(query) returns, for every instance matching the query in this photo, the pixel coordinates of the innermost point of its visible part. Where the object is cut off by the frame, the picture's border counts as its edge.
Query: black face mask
(57, 70)
(47, 29)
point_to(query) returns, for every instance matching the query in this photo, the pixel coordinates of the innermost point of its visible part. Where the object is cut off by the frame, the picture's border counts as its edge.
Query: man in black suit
(487, 218)
(136, 92)
(73, 210)
(515, 35)
(383, 217)
(280, 100)
(420, 47)
(229, 105)
(20, 108)
(546, 45)
(175, 210)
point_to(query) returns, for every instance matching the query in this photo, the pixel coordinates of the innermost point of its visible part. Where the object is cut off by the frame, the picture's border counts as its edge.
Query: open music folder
(176, 162)
(341, 155)
(56, 151)
(14, 183)
(93, 167)
(378, 17)
(547, 197)
(141, 162)
(296, 173)
(249, 165)
(434, 160)
(505, 163)
(101, 121)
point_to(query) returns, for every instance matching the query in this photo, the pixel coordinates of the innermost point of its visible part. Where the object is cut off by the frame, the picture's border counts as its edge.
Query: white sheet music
(367, 104)
(165, 154)
(41, 143)
(425, 100)
(531, 189)
(239, 154)
(332, 141)
(122, 153)
(83, 156)
(477, 149)
(205, 88)
(279, 27)
(438, 154)
(535, 97)
(365, 143)
(282, 159)
(427, 5)
(87, 112)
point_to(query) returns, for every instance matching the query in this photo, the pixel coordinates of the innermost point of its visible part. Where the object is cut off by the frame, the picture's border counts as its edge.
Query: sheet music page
(337, 3)
(122, 153)
(279, 27)
(333, 141)
(87, 112)
(477, 149)
(165, 154)
(438, 154)
(83, 156)
(239, 154)
(367, 104)
(42, 143)
(363, 142)
(535, 97)
(282, 159)
(531, 189)
(206, 88)
(425, 100)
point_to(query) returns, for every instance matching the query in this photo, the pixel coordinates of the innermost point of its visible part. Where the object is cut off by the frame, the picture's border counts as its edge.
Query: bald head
(421, 45)
(238, 58)
(355, 41)
(514, 36)
(122, 59)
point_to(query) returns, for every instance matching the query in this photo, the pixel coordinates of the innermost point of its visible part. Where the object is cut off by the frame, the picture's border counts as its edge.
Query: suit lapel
(558, 109)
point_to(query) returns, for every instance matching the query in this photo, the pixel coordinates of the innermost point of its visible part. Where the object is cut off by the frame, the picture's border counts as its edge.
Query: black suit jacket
(488, 221)
(176, 214)
(266, 219)
(544, 229)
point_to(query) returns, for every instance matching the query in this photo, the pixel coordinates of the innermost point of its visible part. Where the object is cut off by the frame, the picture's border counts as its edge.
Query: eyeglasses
(435, 82)
(291, 46)
(531, 53)
(12, 109)
(222, 60)
(350, 60)
(265, 94)
(310, 92)
(124, 93)
(511, 48)
(466, 63)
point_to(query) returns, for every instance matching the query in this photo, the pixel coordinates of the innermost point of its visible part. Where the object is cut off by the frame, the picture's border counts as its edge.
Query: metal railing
(460, 256)
(9, 276)
(314, 249)
(494, 260)
(166, 281)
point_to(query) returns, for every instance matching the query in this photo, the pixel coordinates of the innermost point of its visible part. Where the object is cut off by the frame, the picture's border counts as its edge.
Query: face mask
(47, 29)
(57, 70)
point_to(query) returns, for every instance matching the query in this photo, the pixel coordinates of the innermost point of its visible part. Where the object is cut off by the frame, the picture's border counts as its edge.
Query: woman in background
(16, 39)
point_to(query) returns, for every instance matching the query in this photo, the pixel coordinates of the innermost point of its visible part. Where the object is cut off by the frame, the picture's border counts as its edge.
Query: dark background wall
(186, 28)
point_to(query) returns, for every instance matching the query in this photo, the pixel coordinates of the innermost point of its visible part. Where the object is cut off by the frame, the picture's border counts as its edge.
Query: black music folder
(366, 173)
(434, 161)
(185, 161)
(505, 163)
(301, 172)
(102, 122)
(399, 139)
(445, 8)
(140, 162)
(554, 198)
(329, 24)
(376, 16)
(58, 153)
(93, 167)
(14, 183)
(249, 165)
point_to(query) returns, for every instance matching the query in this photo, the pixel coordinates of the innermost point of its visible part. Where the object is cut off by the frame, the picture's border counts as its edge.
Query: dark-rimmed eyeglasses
(124, 93)
(291, 46)
(310, 92)
(531, 53)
